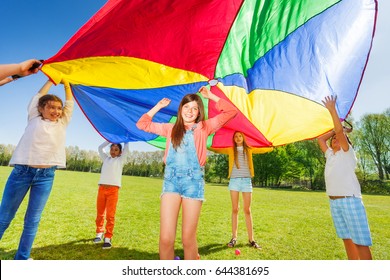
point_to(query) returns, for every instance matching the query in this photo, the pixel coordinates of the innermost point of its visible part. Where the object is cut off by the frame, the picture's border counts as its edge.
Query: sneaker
(98, 238)
(107, 243)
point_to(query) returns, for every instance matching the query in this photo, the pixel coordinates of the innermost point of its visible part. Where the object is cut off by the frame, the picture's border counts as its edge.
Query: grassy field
(290, 225)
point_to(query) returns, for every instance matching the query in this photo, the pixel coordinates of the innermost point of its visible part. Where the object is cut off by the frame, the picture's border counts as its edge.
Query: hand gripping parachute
(275, 60)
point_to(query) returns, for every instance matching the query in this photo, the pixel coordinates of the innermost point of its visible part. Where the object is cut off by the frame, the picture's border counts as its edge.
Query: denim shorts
(240, 184)
(350, 220)
(187, 183)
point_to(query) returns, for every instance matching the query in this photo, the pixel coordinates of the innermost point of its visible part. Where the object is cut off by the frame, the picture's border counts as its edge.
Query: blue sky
(38, 29)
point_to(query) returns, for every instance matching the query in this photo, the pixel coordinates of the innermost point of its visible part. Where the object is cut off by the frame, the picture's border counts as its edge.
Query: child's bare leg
(351, 249)
(234, 195)
(364, 252)
(169, 212)
(190, 217)
(247, 199)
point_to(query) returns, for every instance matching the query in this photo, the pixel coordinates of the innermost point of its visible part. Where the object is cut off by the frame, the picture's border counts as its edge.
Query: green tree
(365, 163)
(217, 166)
(386, 158)
(309, 160)
(374, 140)
(6, 154)
(270, 168)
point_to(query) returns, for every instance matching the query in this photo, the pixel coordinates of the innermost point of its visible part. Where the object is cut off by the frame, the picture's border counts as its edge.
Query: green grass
(290, 225)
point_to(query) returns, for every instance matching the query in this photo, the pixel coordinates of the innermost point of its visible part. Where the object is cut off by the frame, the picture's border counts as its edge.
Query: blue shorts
(187, 183)
(350, 220)
(240, 184)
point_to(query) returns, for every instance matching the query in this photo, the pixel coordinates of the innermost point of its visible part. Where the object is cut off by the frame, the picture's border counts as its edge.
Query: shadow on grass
(7, 255)
(211, 249)
(85, 249)
(203, 251)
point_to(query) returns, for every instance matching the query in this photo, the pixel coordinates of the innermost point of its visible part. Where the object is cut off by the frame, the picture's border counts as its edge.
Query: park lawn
(289, 225)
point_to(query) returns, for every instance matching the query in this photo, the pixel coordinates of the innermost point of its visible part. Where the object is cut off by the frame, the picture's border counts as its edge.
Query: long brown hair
(245, 147)
(179, 129)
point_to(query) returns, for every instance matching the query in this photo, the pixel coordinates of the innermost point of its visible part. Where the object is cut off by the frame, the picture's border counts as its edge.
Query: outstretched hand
(68, 91)
(330, 102)
(164, 102)
(28, 67)
(64, 82)
(206, 93)
(11, 72)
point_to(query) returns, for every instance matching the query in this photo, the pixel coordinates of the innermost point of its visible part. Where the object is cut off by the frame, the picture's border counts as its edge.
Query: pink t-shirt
(201, 132)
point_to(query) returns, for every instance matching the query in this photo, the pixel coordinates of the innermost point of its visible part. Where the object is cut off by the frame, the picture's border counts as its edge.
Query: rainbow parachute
(275, 60)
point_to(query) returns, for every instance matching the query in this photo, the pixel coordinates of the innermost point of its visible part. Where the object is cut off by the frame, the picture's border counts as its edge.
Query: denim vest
(183, 173)
(183, 161)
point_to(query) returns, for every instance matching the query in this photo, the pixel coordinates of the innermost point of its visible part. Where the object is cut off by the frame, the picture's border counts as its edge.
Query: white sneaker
(107, 243)
(98, 238)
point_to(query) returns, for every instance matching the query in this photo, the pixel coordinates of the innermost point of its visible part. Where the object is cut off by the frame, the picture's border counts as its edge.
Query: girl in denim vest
(185, 157)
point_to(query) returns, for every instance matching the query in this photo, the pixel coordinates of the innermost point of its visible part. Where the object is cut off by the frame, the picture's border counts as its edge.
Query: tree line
(299, 164)
(302, 164)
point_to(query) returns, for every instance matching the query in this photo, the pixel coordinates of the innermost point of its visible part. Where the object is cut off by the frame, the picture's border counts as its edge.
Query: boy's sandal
(232, 243)
(254, 244)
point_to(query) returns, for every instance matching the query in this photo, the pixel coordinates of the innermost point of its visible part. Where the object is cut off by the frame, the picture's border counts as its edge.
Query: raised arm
(227, 111)
(68, 91)
(330, 104)
(125, 150)
(323, 139)
(46, 87)
(206, 93)
(161, 104)
(145, 122)
(101, 151)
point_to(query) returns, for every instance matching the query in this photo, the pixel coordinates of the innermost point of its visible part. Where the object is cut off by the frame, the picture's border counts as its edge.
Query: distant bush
(375, 187)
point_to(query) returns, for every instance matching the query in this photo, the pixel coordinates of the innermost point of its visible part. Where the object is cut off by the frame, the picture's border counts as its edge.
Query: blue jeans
(23, 178)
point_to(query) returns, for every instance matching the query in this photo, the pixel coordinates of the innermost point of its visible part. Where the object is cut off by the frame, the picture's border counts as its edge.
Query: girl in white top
(109, 184)
(39, 152)
(343, 188)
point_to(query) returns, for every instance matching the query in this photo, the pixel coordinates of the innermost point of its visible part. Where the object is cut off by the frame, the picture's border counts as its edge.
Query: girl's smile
(52, 111)
(190, 112)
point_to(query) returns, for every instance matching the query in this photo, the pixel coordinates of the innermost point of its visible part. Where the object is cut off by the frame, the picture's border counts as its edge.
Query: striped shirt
(243, 171)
